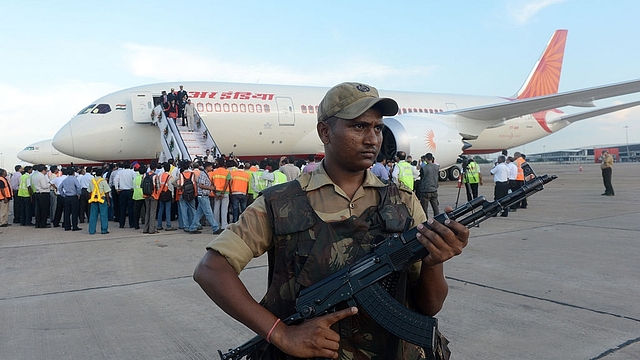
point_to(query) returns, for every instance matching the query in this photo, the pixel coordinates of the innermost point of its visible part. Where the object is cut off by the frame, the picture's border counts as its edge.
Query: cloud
(521, 12)
(35, 114)
(165, 64)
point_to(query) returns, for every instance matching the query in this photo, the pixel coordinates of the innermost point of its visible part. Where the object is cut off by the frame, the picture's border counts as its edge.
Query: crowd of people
(150, 197)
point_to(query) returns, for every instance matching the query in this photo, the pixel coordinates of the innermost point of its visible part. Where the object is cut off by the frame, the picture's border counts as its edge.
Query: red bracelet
(272, 328)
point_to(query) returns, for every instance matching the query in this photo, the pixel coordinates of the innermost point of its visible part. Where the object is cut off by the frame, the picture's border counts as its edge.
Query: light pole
(626, 133)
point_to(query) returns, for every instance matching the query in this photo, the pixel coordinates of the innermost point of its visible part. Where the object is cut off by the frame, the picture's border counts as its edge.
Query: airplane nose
(63, 140)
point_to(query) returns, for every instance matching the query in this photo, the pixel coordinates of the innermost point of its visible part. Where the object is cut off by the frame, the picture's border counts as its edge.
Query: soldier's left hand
(444, 242)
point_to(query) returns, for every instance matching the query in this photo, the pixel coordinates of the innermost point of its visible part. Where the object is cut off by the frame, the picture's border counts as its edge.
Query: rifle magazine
(394, 317)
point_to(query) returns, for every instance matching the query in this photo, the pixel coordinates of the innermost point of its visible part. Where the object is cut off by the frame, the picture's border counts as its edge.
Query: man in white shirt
(513, 173)
(501, 179)
(124, 187)
(40, 186)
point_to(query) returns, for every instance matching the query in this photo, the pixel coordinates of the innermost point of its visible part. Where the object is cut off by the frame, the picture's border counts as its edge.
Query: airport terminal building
(620, 153)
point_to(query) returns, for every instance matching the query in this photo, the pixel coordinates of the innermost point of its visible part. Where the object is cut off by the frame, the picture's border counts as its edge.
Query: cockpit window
(96, 109)
(87, 109)
(101, 109)
(30, 148)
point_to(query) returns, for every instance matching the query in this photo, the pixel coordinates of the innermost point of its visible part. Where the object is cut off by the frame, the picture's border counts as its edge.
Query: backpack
(188, 189)
(148, 185)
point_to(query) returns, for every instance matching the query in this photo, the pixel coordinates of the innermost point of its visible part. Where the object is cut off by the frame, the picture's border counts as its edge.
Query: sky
(57, 57)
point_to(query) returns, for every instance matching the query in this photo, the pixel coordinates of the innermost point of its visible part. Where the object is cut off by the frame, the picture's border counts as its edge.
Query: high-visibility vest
(258, 183)
(280, 177)
(219, 179)
(519, 161)
(5, 190)
(239, 181)
(137, 188)
(97, 195)
(23, 190)
(164, 183)
(472, 173)
(405, 175)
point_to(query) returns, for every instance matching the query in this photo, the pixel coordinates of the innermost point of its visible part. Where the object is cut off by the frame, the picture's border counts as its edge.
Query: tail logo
(545, 76)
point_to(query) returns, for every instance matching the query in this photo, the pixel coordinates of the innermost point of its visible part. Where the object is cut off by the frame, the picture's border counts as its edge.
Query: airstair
(178, 142)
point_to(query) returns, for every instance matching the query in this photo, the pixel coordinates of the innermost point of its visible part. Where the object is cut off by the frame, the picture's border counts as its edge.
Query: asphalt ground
(558, 280)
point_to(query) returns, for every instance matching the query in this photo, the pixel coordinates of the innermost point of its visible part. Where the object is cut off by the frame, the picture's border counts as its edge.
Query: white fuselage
(267, 120)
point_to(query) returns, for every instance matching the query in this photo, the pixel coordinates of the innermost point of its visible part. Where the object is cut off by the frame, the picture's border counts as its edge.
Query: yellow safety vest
(405, 175)
(97, 195)
(472, 173)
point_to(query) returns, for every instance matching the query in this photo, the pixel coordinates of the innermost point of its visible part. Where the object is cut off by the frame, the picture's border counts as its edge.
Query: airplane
(257, 120)
(42, 152)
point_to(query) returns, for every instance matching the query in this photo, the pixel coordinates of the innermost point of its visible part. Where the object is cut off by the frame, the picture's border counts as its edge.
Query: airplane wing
(512, 109)
(597, 112)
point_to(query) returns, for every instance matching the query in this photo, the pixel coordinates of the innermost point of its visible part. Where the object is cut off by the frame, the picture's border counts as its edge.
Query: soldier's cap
(350, 100)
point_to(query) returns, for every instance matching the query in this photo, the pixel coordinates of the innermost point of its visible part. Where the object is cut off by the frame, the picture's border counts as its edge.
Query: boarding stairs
(178, 142)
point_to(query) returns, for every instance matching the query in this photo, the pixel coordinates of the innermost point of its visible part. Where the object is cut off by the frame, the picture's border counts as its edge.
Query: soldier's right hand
(312, 338)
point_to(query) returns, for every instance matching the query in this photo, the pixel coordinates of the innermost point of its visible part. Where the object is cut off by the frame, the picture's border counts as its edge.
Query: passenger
(190, 114)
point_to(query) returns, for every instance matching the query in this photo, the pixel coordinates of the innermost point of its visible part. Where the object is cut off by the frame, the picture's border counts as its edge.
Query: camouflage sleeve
(246, 239)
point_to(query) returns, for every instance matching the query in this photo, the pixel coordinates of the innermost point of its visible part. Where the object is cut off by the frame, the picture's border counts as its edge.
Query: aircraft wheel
(454, 173)
(442, 175)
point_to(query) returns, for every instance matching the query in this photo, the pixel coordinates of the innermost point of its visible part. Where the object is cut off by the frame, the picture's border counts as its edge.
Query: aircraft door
(142, 106)
(286, 115)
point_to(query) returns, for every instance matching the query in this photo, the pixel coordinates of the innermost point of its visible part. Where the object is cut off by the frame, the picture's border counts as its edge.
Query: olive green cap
(350, 100)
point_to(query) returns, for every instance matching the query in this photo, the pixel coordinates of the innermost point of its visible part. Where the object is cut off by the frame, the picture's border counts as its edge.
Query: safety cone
(580, 167)
(459, 181)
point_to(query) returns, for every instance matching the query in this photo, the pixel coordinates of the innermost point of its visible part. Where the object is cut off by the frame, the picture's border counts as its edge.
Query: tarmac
(558, 280)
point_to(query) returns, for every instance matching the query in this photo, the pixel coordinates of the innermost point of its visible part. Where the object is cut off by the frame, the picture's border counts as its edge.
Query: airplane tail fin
(544, 78)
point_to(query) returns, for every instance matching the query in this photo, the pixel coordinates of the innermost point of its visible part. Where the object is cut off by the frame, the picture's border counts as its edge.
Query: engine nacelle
(420, 134)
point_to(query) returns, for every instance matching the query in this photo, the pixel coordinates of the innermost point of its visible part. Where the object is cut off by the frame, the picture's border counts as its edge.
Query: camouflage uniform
(314, 229)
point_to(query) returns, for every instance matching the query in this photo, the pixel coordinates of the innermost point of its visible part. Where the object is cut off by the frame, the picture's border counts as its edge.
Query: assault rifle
(358, 284)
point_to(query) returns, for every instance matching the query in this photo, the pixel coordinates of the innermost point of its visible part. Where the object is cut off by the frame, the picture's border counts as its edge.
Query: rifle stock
(357, 285)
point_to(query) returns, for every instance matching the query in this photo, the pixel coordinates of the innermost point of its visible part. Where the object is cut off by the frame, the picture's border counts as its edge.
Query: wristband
(271, 331)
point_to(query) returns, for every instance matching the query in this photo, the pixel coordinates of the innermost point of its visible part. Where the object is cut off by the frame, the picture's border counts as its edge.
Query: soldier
(337, 205)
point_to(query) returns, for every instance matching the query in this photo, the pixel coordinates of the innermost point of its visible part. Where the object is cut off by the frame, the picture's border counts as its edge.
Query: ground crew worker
(6, 194)
(473, 177)
(24, 196)
(239, 188)
(222, 183)
(99, 203)
(403, 173)
(520, 179)
(336, 198)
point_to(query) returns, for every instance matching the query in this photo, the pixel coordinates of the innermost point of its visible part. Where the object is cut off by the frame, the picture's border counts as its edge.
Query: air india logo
(429, 141)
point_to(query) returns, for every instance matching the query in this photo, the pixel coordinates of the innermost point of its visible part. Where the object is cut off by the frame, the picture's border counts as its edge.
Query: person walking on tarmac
(337, 209)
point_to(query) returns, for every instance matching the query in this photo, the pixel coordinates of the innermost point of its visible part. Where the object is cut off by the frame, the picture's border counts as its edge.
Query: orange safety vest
(520, 175)
(5, 191)
(239, 181)
(185, 175)
(211, 193)
(219, 179)
(156, 189)
(164, 182)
